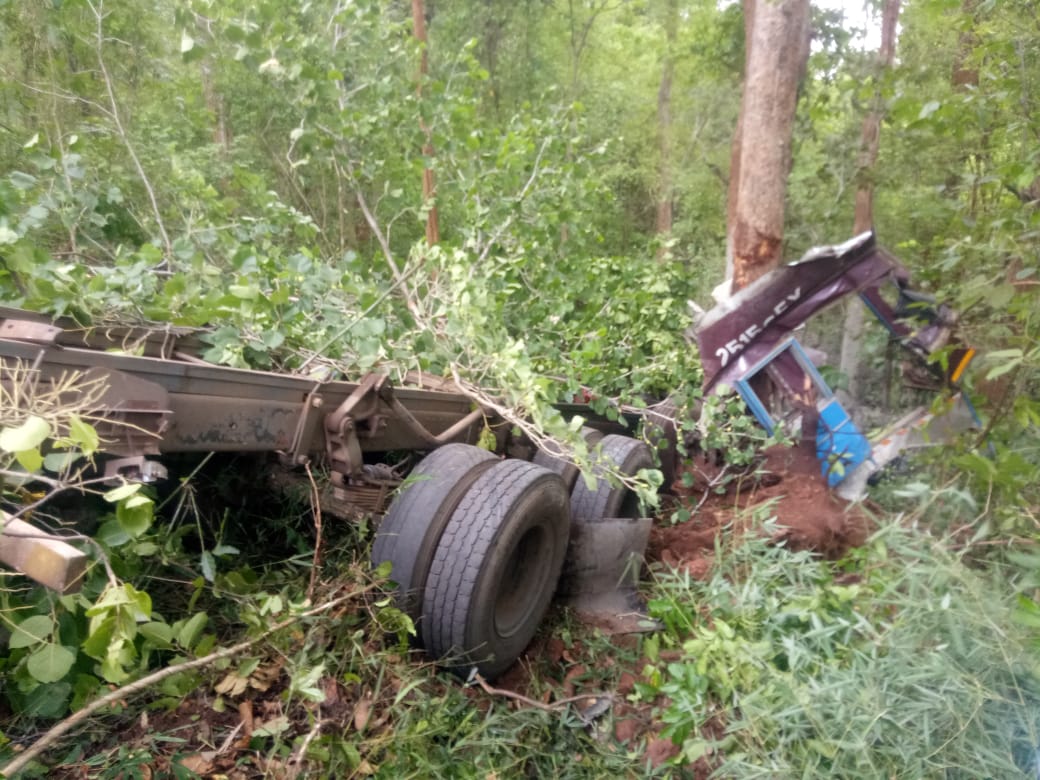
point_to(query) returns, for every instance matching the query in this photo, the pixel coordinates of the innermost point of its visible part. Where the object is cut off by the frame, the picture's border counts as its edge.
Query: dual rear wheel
(477, 544)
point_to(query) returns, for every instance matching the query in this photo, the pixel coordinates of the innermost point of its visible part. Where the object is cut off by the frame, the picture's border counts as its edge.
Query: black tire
(565, 467)
(605, 500)
(413, 525)
(496, 568)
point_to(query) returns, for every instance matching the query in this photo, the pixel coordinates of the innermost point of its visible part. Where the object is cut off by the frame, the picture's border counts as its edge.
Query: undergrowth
(902, 661)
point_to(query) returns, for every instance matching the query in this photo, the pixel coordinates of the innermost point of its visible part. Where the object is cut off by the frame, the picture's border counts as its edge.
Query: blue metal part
(840, 446)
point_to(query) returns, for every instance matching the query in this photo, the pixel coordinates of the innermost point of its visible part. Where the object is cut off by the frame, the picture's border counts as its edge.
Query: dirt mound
(786, 485)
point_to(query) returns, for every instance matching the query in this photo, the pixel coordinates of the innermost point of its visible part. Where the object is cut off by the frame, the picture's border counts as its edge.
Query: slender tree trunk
(664, 127)
(216, 105)
(433, 230)
(778, 48)
(852, 335)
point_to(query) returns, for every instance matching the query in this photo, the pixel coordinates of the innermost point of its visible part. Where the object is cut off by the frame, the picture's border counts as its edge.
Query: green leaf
(159, 633)
(1004, 354)
(30, 460)
(135, 516)
(57, 462)
(189, 632)
(31, 631)
(96, 645)
(47, 701)
(209, 567)
(123, 491)
(245, 292)
(112, 534)
(50, 663)
(84, 435)
(929, 108)
(27, 436)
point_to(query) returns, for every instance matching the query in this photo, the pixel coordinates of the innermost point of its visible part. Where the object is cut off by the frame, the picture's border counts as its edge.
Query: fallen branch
(556, 706)
(60, 729)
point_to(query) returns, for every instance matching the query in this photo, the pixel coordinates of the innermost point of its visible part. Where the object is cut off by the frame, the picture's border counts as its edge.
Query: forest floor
(786, 486)
(586, 658)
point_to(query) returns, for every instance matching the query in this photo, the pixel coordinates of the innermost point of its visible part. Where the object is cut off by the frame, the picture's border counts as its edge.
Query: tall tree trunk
(852, 335)
(429, 188)
(664, 127)
(216, 106)
(777, 35)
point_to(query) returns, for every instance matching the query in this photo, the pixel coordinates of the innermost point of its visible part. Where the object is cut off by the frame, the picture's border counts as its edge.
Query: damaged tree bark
(777, 39)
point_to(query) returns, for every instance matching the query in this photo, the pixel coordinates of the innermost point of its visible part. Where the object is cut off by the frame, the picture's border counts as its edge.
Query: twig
(98, 11)
(556, 706)
(131, 689)
(298, 756)
(316, 511)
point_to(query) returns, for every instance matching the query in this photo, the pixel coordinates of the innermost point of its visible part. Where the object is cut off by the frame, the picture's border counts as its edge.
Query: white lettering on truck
(736, 345)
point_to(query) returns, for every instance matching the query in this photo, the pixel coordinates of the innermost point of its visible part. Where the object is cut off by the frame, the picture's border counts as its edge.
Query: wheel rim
(528, 566)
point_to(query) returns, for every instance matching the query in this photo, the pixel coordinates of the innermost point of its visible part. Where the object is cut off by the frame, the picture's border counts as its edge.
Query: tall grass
(901, 662)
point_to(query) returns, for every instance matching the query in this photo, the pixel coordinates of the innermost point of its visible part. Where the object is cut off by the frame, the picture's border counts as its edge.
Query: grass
(903, 660)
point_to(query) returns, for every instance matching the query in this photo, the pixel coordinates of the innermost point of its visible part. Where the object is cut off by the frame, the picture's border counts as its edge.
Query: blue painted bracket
(840, 446)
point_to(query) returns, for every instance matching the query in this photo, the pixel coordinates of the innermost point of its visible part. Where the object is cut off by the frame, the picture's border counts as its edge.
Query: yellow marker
(969, 353)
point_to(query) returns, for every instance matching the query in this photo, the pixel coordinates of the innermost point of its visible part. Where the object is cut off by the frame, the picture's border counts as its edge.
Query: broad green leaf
(84, 435)
(123, 491)
(190, 631)
(30, 460)
(50, 663)
(929, 108)
(27, 436)
(112, 534)
(245, 292)
(135, 519)
(144, 549)
(57, 462)
(47, 701)
(141, 600)
(31, 631)
(159, 633)
(96, 645)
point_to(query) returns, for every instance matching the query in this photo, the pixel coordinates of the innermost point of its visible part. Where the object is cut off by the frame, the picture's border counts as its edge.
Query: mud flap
(601, 573)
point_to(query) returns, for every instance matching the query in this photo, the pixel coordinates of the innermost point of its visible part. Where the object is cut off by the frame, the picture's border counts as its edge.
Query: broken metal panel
(44, 557)
(804, 397)
(741, 331)
(840, 446)
(920, 428)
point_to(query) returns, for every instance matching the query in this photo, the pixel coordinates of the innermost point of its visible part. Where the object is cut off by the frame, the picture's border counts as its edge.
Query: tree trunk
(216, 106)
(664, 127)
(777, 37)
(852, 335)
(429, 188)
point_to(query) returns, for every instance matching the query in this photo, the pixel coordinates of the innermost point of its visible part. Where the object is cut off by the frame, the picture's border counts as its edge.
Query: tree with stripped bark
(777, 49)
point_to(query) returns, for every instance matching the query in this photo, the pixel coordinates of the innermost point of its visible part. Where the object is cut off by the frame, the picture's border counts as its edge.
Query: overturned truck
(479, 538)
